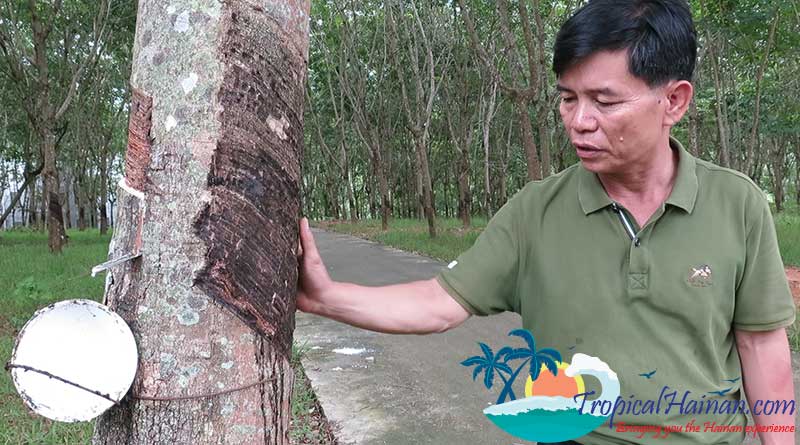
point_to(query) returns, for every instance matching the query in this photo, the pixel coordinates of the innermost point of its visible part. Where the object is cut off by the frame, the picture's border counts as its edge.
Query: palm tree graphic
(491, 364)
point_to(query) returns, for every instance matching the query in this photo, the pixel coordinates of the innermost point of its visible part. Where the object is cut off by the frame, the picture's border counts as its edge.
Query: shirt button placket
(639, 268)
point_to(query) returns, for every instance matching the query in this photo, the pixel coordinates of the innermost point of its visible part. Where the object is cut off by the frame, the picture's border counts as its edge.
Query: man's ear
(678, 97)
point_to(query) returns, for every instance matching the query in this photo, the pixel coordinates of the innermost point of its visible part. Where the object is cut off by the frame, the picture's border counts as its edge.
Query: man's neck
(644, 189)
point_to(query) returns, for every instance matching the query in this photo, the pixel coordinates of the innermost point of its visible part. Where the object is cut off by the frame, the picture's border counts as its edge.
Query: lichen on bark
(211, 300)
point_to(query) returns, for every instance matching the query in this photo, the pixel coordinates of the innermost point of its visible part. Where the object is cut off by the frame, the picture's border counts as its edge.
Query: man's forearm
(418, 307)
(767, 376)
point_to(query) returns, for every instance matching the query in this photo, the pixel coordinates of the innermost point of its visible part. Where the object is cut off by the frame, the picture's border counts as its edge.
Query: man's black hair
(658, 34)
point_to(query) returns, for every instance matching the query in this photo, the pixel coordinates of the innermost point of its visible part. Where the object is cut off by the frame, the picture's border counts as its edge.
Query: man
(662, 265)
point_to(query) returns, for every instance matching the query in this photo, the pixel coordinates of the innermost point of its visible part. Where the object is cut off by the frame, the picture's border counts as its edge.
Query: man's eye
(567, 100)
(605, 104)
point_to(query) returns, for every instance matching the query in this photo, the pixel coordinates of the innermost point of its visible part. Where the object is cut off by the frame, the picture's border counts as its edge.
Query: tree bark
(211, 300)
(80, 203)
(33, 216)
(56, 238)
(383, 185)
(42, 219)
(486, 125)
(503, 195)
(104, 171)
(778, 166)
(544, 143)
(523, 114)
(348, 177)
(66, 185)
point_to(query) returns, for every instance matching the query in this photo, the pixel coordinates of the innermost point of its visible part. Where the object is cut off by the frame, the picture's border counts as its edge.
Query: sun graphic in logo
(548, 384)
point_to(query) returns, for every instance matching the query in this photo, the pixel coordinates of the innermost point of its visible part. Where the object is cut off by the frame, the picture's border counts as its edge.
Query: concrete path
(399, 390)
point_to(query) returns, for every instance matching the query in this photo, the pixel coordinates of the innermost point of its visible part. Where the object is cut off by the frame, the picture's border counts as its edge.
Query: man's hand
(314, 281)
(418, 307)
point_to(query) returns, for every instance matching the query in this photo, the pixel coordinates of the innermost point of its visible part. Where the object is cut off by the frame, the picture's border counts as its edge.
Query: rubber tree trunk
(57, 237)
(425, 184)
(464, 189)
(531, 156)
(383, 185)
(32, 214)
(67, 185)
(81, 205)
(43, 203)
(215, 143)
(104, 191)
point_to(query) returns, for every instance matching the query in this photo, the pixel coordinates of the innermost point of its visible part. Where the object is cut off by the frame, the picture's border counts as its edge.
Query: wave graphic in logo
(557, 418)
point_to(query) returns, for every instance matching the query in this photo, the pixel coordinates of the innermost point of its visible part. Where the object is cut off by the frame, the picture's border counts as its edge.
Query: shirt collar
(593, 197)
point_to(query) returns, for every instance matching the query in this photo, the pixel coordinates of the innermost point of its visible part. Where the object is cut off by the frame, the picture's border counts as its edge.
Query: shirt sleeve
(763, 299)
(484, 278)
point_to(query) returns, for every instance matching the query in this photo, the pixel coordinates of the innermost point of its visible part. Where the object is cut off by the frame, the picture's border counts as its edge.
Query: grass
(794, 334)
(309, 425)
(787, 226)
(32, 278)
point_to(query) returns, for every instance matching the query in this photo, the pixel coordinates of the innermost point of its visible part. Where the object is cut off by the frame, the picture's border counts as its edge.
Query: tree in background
(47, 82)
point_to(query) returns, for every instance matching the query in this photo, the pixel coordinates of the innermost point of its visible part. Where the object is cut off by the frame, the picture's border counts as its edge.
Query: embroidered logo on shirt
(700, 276)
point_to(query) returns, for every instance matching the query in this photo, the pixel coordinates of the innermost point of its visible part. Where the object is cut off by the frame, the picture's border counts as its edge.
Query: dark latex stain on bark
(250, 225)
(137, 156)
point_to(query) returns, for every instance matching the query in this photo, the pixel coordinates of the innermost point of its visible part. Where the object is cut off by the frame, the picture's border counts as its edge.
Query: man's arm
(767, 375)
(419, 307)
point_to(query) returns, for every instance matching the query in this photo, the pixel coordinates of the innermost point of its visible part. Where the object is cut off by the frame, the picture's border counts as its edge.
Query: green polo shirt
(707, 263)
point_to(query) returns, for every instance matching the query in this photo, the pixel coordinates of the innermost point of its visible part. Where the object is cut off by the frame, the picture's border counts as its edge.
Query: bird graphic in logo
(648, 375)
(700, 276)
(722, 392)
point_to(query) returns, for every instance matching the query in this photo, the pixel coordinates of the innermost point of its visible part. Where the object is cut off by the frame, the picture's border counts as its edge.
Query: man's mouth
(586, 150)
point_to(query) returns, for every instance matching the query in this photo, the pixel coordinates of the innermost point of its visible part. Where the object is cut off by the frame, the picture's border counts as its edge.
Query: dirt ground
(793, 274)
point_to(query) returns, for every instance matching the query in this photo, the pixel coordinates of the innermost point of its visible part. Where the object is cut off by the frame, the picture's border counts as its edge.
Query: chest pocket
(699, 290)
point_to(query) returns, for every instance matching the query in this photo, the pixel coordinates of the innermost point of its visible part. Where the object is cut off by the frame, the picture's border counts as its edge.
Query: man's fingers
(300, 242)
(307, 245)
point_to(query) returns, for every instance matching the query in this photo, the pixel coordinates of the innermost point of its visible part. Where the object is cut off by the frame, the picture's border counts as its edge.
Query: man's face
(614, 120)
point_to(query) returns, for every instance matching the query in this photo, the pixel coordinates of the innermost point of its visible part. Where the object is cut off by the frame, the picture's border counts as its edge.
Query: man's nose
(583, 119)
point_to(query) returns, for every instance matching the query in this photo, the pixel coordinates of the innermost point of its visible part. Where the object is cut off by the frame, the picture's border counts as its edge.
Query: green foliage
(30, 279)
(787, 226)
(308, 424)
